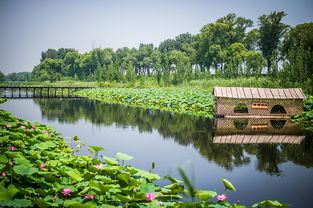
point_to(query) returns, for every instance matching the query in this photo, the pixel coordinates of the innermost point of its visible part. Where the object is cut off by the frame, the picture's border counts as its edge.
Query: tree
(49, 69)
(271, 32)
(2, 77)
(298, 51)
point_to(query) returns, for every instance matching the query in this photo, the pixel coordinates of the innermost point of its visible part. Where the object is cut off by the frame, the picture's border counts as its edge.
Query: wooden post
(62, 91)
(40, 92)
(12, 92)
(48, 92)
(68, 92)
(34, 94)
(55, 92)
(19, 92)
(5, 92)
(27, 92)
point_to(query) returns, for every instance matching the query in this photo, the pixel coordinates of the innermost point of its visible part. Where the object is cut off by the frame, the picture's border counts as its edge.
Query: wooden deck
(39, 92)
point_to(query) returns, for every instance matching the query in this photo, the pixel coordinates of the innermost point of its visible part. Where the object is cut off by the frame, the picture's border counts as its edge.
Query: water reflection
(272, 142)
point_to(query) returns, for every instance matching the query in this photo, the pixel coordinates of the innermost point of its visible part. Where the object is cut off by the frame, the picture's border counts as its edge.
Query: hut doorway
(278, 109)
(241, 108)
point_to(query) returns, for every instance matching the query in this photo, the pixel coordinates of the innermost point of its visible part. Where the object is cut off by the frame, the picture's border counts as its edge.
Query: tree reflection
(183, 129)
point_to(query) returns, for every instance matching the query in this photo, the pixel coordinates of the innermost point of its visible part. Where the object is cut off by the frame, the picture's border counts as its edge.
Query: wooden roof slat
(275, 93)
(258, 93)
(262, 93)
(299, 93)
(293, 93)
(247, 92)
(268, 93)
(287, 93)
(255, 93)
(224, 92)
(240, 92)
(281, 93)
(234, 92)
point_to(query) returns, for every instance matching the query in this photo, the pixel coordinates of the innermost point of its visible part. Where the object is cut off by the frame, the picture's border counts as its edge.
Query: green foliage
(271, 31)
(305, 119)
(194, 102)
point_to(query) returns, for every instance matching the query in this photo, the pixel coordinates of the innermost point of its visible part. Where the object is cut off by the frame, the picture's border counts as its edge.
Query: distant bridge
(39, 92)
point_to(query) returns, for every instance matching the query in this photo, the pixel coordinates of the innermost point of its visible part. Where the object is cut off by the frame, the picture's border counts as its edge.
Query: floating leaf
(3, 159)
(96, 148)
(123, 156)
(228, 185)
(147, 188)
(110, 160)
(17, 203)
(9, 193)
(205, 195)
(24, 170)
(74, 175)
(45, 145)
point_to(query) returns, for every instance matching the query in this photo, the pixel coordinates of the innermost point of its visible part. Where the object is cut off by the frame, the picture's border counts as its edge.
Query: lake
(274, 163)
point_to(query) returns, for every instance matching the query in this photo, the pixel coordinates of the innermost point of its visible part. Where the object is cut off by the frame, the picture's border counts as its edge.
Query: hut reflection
(256, 130)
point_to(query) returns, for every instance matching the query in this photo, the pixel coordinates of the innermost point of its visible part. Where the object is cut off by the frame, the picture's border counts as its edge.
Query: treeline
(229, 48)
(19, 77)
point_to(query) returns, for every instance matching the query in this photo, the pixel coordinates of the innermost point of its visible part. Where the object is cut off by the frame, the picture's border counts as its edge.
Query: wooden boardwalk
(38, 92)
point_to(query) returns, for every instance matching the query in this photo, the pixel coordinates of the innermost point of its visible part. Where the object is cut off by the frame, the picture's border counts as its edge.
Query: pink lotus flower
(42, 166)
(19, 122)
(4, 127)
(33, 126)
(45, 132)
(66, 192)
(3, 174)
(134, 190)
(32, 129)
(221, 197)
(160, 203)
(23, 127)
(12, 148)
(150, 196)
(8, 126)
(89, 196)
(99, 166)
(11, 163)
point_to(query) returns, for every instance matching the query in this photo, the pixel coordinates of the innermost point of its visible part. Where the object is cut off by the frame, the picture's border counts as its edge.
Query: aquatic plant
(193, 102)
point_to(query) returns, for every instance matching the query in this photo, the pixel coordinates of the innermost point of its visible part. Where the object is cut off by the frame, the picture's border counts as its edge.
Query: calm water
(278, 171)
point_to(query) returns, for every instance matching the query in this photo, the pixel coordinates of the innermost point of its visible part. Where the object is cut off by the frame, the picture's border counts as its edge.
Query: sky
(28, 27)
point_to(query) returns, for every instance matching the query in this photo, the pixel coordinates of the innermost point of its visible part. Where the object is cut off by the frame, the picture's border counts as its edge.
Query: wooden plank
(234, 92)
(293, 93)
(254, 93)
(268, 93)
(228, 92)
(299, 93)
(281, 93)
(217, 92)
(287, 93)
(223, 92)
(240, 92)
(275, 93)
(247, 92)
(262, 93)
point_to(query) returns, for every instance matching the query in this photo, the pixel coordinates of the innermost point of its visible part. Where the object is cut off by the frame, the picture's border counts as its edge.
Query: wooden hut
(240, 102)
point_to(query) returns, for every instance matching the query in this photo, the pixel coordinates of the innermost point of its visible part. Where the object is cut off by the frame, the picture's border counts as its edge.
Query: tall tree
(271, 31)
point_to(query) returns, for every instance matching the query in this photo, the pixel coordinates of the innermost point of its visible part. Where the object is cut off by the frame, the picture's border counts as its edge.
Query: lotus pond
(277, 171)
